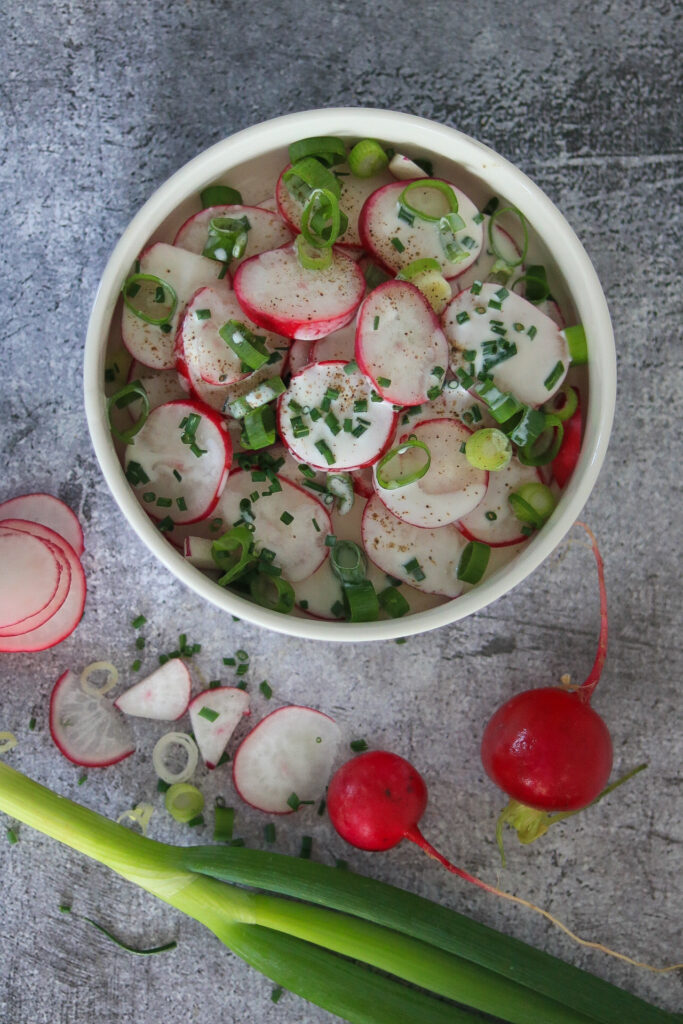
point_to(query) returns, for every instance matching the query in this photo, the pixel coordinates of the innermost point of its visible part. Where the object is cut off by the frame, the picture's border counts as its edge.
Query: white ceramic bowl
(241, 160)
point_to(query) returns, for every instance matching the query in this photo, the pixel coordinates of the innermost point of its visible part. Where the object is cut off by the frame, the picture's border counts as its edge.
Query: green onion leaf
(367, 158)
(413, 460)
(133, 392)
(473, 561)
(146, 290)
(219, 195)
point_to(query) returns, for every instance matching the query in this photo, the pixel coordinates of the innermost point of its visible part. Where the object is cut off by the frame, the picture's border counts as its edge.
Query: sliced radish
(426, 559)
(300, 355)
(290, 468)
(48, 511)
(277, 293)
(395, 243)
(535, 355)
(161, 386)
(197, 551)
(482, 267)
(57, 599)
(68, 614)
(363, 482)
(453, 402)
(299, 545)
(355, 430)
(215, 714)
(87, 729)
(493, 522)
(266, 230)
(340, 345)
(405, 169)
(286, 759)
(449, 489)
(150, 344)
(30, 577)
(551, 309)
(354, 191)
(399, 343)
(184, 473)
(163, 696)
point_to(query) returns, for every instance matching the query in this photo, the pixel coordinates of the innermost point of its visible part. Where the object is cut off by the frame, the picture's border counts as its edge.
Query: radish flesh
(87, 729)
(266, 230)
(163, 696)
(215, 714)
(30, 577)
(46, 510)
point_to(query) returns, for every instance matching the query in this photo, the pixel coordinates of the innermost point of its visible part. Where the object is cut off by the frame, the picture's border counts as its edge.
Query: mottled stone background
(99, 103)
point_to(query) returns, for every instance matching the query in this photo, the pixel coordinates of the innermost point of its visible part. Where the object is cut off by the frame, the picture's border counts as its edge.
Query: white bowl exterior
(502, 178)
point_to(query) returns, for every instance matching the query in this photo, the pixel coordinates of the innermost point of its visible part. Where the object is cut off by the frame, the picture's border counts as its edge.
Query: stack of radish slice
(42, 584)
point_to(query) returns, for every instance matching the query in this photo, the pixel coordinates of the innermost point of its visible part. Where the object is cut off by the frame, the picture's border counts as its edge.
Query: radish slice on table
(215, 714)
(400, 345)
(343, 432)
(394, 242)
(286, 760)
(501, 333)
(180, 458)
(340, 345)
(163, 696)
(300, 355)
(266, 230)
(51, 607)
(354, 192)
(87, 729)
(483, 266)
(426, 559)
(277, 293)
(288, 521)
(68, 614)
(449, 489)
(161, 386)
(30, 577)
(493, 522)
(152, 344)
(47, 511)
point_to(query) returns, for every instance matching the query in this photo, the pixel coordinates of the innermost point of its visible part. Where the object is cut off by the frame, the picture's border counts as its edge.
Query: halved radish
(180, 461)
(353, 193)
(277, 293)
(400, 345)
(215, 714)
(57, 599)
(394, 242)
(493, 522)
(30, 577)
(161, 386)
(87, 729)
(68, 614)
(347, 431)
(286, 520)
(426, 559)
(48, 511)
(152, 344)
(164, 695)
(482, 267)
(266, 230)
(286, 760)
(449, 489)
(340, 345)
(300, 355)
(498, 332)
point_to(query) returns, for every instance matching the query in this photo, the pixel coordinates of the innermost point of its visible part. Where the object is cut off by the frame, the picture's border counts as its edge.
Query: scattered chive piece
(139, 621)
(358, 746)
(276, 994)
(32, 724)
(241, 655)
(476, 287)
(361, 405)
(140, 642)
(321, 807)
(203, 314)
(306, 847)
(214, 684)
(162, 787)
(223, 823)
(375, 323)
(177, 475)
(64, 908)
(197, 820)
(337, 609)
(401, 640)
(208, 713)
(225, 757)
(242, 670)
(12, 837)
(415, 569)
(294, 802)
(352, 366)
(269, 832)
(135, 667)
(491, 516)
(532, 332)
(330, 540)
(266, 689)
(228, 661)
(315, 524)
(554, 375)
(237, 842)
(82, 778)
(383, 382)
(303, 604)
(398, 244)
(286, 518)
(325, 451)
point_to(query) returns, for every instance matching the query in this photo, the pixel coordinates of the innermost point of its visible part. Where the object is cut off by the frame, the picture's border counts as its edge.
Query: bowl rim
(504, 178)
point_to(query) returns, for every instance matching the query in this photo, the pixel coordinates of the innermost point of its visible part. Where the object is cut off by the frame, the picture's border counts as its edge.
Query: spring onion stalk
(533, 503)
(227, 238)
(430, 184)
(412, 461)
(341, 486)
(473, 561)
(133, 392)
(233, 553)
(325, 148)
(330, 956)
(150, 291)
(564, 404)
(544, 449)
(258, 428)
(311, 258)
(426, 275)
(220, 195)
(488, 449)
(361, 601)
(246, 345)
(535, 283)
(321, 220)
(183, 801)
(367, 158)
(308, 174)
(272, 592)
(258, 396)
(348, 562)
(575, 337)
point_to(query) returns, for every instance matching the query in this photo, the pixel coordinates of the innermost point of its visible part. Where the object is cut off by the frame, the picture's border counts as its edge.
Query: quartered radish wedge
(286, 760)
(87, 729)
(426, 559)
(180, 458)
(277, 293)
(400, 345)
(215, 714)
(30, 577)
(394, 242)
(152, 344)
(329, 419)
(501, 333)
(493, 522)
(288, 521)
(163, 696)
(47, 511)
(449, 489)
(161, 386)
(266, 230)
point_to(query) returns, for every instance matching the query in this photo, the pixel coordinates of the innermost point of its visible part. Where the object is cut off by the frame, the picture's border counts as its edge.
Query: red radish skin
(110, 735)
(564, 463)
(46, 510)
(58, 598)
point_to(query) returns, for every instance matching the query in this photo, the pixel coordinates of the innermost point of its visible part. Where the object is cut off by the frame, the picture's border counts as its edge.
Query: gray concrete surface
(99, 103)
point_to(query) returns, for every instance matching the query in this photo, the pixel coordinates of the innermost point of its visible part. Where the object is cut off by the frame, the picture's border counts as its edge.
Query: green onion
(12, 837)
(258, 428)
(409, 469)
(433, 184)
(473, 561)
(568, 399)
(143, 287)
(223, 823)
(325, 451)
(393, 602)
(533, 503)
(327, 149)
(183, 801)
(306, 175)
(209, 714)
(525, 427)
(233, 553)
(272, 592)
(502, 261)
(294, 802)
(133, 392)
(414, 568)
(311, 258)
(367, 158)
(544, 449)
(358, 746)
(488, 449)
(575, 337)
(266, 689)
(202, 314)
(227, 238)
(535, 283)
(269, 832)
(348, 562)
(417, 267)
(254, 399)
(276, 994)
(306, 847)
(398, 244)
(361, 601)
(321, 220)
(554, 375)
(247, 346)
(219, 195)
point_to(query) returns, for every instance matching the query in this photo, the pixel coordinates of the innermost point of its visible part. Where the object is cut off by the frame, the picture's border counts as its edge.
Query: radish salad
(354, 398)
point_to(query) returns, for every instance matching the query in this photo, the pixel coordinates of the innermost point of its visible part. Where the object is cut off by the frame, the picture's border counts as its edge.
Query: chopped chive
(197, 820)
(374, 397)
(476, 287)
(415, 569)
(554, 375)
(269, 832)
(32, 724)
(303, 605)
(286, 518)
(321, 807)
(330, 540)
(351, 367)
(532, 332)
(241, 655)
(491, 516)
(358, 746)
(208, 713)
(135, 667)
(401, 640)
(82, 778)
(307, 472)
(294, 802)
(164, 502)
(315, 414)
(332, 423)
(140, 642)
(214, 684)
(162, 786)
(398, 244)
(502, 293)
(242, 670)
(384, 382)
(148, 496)
(229, 661)
(359, 430)
(325, 451)
(348, 425)
(225, 756)
(306, 847)
(12, 837)
(276, 994)
(266, 689)
(361, 405)
(478, 218)
(165, 525)
(375, 323)
(315, 524)
(64, 908)
(337, 609)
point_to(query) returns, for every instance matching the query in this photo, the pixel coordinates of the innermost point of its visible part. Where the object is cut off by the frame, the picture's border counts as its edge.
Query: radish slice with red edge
(483, 266)
(346, 427)
(340, 345)
(266, 231)
(215, 714)
(451, 487)
(286, 760)
(277, 293)
(48, 511)
(30, 577)
(197, 551)
(493, 522)
(394, 242)
(87, 729)
(58, 598)
(300, 355)
(161, 386)
(400, 345)
(181, 458)
(152, 344)
(164, 695)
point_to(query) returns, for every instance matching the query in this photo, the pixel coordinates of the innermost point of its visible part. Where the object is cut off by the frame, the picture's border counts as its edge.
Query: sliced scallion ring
(417, 267)
(302, 177)
(535, 283)
(227, 238)
(220, 195)
(533, 503)
(321, 219)
(233, 553)
(325, 148)
(341, 486)
(169, 740)
(429, 183)
(223, 822)
(412, 445)
(361, 602)
(258, 428)
(501, 258)
(569, 402)
(150, 290)
(393, 602)
(246, 345)
(575, 337)
(473, 561)
(544, 449)
(8, 741)
(488, 449)
(111, 679)
(129, 393)
(272, 592)
(311, 258)
(367, 158)
(139, 815)
(348, 561)
(525, 426)
(183, 802)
